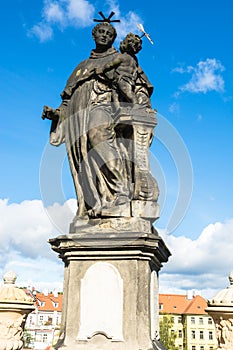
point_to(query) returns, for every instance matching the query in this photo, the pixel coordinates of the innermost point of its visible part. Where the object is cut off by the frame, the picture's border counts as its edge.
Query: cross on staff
(141, 28)
(106, 19)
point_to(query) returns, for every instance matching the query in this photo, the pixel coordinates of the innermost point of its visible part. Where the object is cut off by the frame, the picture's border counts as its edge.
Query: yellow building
(193, 327)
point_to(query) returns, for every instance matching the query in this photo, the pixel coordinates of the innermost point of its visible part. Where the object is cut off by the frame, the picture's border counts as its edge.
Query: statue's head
(104, 34)
(132, 43)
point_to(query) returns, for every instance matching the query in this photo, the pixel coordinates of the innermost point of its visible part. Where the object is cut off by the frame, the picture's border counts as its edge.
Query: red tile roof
(172, 303)
(49, 302)
(180, 304)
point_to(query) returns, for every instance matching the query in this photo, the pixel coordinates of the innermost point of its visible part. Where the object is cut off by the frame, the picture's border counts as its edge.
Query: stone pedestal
(110, 289)
(15, 305)
(220, 308)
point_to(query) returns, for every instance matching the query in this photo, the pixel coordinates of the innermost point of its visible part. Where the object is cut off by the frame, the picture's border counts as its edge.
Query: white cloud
(202, 264)
(62, 13)
(196, 264)
(78, 14)
(113, 5)
(128, 22)
(174, 108)
(24, 232)
(206, 76)
(42, 31)
(53, 12)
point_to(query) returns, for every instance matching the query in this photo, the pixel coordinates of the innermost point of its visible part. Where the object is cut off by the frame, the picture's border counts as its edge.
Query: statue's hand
(96, 71)
(99, 71)
(50, 113)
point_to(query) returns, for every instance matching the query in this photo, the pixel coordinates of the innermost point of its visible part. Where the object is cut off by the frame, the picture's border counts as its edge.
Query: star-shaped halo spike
(111, 14)
(106, 19)
(101, 14)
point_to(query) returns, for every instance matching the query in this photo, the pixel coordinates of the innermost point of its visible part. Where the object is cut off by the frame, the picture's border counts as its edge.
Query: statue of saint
(86, 122)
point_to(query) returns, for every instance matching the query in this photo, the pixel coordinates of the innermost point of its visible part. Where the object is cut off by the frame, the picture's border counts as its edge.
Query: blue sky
(191, 68)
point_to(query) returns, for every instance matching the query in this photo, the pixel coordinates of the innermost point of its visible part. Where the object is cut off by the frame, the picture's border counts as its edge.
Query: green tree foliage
(167, 335)
(28, 340)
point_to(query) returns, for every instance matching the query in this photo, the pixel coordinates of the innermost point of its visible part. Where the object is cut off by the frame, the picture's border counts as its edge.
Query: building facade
(192, 327)
(43, 325)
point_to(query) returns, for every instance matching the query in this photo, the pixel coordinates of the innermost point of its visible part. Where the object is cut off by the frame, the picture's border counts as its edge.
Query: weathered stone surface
(126, 264)
(15, 305)
(220, 308)
(107, 122)
(113, 225)
(145, 209)
(101, 309)
(112, 254)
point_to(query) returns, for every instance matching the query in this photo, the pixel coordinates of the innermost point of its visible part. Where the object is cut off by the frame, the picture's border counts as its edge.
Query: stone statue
(125, 71)
(15, 305)
(106, 121)
(112, 253)
(224, 333)
(220, 308)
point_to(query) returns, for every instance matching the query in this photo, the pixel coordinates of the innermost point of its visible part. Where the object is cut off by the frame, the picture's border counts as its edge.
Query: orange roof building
(49, 302)
(43, 324)
(192, 326)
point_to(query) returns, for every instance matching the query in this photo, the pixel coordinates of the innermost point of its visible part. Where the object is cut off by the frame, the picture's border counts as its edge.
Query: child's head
(132, 43)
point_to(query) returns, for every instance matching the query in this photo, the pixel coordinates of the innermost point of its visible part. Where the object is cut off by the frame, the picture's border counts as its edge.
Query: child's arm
(110, 65)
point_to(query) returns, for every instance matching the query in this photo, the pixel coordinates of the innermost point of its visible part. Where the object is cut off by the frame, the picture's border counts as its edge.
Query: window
(200, 320)
(45, 338)
(211, 348)
(210, 335)
(50, 321)
(38, 337)
(160, 306)
(173, 319)
(201, 347)
(180, 333)
(193, 334)
(180, 347)
(209, 320)
(201, 335)
(180, 319)
(193, 347)
(192, 320)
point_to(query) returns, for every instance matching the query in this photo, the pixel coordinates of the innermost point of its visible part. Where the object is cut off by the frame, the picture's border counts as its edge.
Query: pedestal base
(110, 290)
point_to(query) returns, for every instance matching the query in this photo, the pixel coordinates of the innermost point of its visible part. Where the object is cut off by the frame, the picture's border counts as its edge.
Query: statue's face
(104, 36)
(135, 46)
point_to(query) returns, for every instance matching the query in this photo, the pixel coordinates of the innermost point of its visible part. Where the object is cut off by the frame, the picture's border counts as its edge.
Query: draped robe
(87, 127)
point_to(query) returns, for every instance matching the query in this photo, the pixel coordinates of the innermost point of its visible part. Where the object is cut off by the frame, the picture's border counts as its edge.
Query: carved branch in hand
(50, 113)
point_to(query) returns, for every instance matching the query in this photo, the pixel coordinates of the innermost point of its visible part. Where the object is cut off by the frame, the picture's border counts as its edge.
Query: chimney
(45, 292)
(189, 294)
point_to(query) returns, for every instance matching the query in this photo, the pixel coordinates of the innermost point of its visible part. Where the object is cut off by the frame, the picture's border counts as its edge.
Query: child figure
(126, 65)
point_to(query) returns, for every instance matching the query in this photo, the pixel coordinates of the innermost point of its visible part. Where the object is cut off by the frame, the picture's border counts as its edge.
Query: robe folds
(86, 125)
